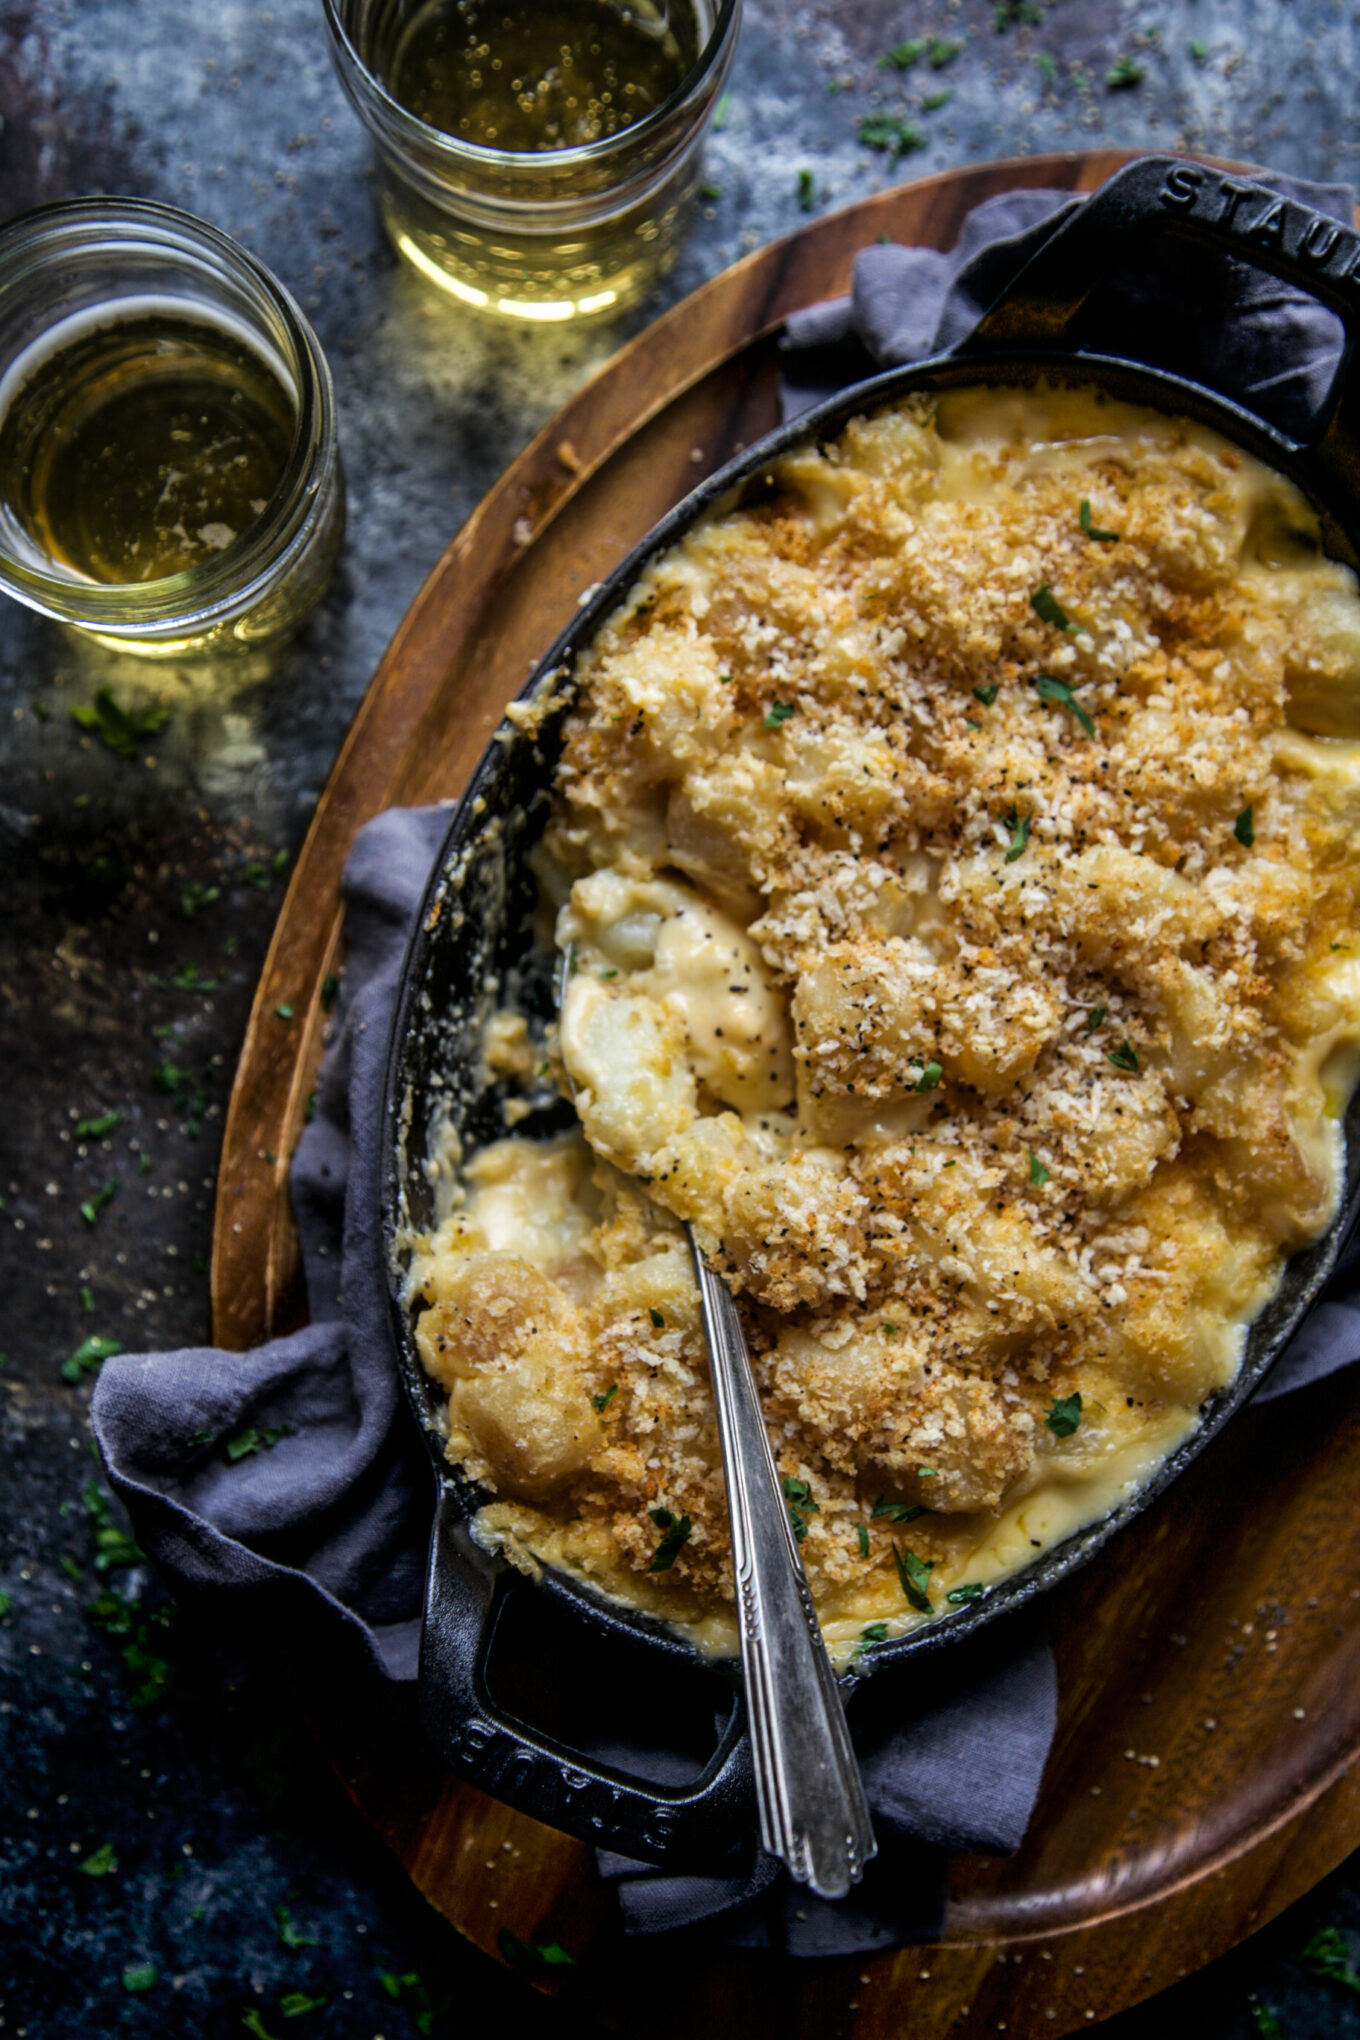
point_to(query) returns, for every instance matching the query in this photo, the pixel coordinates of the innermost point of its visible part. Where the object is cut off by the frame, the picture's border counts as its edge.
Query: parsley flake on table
(942, 52)
(886, 131)
(120, 730)
(290, 1935)
(1244, 828)
(92, 1206)
(1199, 51)
(1047, 68)
(1093, 531)
(1015, 13)
(253, 2023)
(295, 2002)
(138, 1976)
(902, 56)
(1038, 1173)
(930, 1077)
(89, 1357)
(601, 1402)
(101, 1862)
(1123, 74)
(255, 1440)
(933, 101)
(1048, 609)
(194, 898)
(1019, 828)
(284, 1012)
(986, 695)
(1125, 1057)
(1329, 1955)
(6, 1603)
(677, 1529)
(914, 1573)
(95, 1129)
(533, 1957)
(971, 1590)
(1048, 688)
(1065, 1415)
(798, 1495)
(778, 712)
(807, 191)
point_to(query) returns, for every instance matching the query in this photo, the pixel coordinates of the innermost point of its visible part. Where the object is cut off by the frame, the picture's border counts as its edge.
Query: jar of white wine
(536, 158)
(169, 474)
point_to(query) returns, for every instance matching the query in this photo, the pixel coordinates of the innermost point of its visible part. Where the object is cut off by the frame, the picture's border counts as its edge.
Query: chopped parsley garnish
(1048, 70)
(896, 1512)
(798, 1495)
(887, 132)
(608, 972)
(933, 101)
(657, 1319)
(1048, 609)
(6, 1603)
(1019, 828)
(1065, 1415)
(1199, 51)
(930, 1077)
(902, 56)
(677, 1529)
(707, 190)
(1093, 531)
(1327, 1954)
(96, 1128)
(120, 730)
(530, 1956)
(139, 1976)
(112, 1546)
(973, 1590)
(1124, 73)
(601, 1402)
(1038, 1174)
(1125, 1057)
(253, 2023)
(295, 2002)
(942, 52)
(291, 1936)
(189, 980)
(1050, 689)
(807, 191)
(89, 1357)
(1094, 1018)
(778, 712)
(890, 1331)
(194, 898)
(927, 1473)
(284, 1012)
(92, 1206)
(330, 985)
(102, 1863)
(875, 1632)
(986, 695)
(914, 1573)
(1012, 13)
(862, 1533)
(255, 1440)
(1245, 829)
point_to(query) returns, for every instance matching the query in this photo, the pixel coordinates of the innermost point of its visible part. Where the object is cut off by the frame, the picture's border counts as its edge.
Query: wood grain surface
(1208, 1661)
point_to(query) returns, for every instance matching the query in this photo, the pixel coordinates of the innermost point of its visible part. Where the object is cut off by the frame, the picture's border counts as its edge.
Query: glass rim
(525, 161)
(233, 580)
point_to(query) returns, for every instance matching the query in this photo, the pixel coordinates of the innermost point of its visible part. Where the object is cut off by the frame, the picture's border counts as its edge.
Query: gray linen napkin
(320, 1537)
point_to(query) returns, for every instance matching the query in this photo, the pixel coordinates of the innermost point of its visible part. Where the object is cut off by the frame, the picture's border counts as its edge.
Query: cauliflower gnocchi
(955, 847)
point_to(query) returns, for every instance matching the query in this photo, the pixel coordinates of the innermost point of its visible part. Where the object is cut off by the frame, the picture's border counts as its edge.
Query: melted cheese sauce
(992, 1036)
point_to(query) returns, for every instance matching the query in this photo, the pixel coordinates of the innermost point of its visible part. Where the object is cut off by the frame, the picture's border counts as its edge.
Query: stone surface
(118, 1728)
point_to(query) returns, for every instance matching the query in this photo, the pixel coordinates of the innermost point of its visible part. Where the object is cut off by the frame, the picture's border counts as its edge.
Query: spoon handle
(813, 1815)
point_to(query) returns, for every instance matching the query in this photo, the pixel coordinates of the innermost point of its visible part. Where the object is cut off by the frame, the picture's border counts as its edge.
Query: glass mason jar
(551, 234)
(91, 266)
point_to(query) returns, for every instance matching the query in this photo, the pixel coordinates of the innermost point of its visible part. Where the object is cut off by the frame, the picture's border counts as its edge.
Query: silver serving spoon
(813, 1815)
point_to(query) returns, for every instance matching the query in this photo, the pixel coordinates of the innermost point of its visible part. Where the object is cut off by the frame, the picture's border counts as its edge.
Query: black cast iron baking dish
(473, 936)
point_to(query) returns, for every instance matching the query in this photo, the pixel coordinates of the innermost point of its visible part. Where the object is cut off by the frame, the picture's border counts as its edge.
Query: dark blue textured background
(217, 1806)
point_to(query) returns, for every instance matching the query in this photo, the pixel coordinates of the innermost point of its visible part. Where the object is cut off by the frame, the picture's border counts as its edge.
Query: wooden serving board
(1209, 1661)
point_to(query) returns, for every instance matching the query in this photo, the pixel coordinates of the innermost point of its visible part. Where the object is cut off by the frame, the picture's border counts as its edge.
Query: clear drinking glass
(549, 233)
(95, 266)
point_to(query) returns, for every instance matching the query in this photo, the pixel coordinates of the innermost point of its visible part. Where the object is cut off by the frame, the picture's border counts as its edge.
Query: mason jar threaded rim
(51, 239)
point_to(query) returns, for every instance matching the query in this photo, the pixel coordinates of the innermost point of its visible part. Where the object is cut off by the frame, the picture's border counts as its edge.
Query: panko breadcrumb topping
(955, 846)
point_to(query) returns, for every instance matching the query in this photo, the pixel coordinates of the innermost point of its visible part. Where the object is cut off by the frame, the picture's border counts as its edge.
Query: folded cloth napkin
(318, 1528)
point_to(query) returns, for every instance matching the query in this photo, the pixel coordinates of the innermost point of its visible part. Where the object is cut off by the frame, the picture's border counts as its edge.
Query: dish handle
(695, 1827)
(1162, 198)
